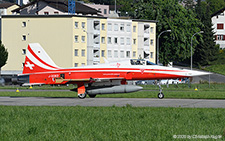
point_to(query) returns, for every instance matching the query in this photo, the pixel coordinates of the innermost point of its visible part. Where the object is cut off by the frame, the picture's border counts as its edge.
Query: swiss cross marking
(118, 65)
(30, 66)
(142, 71)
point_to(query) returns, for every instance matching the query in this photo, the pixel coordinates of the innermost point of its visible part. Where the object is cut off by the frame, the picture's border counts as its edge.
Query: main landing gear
(82, 96)
(160, 94)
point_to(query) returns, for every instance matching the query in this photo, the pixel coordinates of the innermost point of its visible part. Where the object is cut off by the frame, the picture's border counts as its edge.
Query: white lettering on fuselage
(53, 75)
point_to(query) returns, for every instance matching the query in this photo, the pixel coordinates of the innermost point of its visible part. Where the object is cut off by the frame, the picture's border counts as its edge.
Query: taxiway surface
(135, 102)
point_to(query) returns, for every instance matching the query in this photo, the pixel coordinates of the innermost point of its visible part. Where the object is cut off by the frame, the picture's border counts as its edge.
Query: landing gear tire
(92, 96)
(160, 95)
(82, 96)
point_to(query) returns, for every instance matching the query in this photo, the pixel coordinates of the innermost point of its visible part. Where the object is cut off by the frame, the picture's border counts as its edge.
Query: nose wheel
(160, 95)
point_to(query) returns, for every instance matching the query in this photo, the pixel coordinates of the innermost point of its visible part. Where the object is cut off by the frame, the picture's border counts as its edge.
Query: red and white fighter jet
(95, 79)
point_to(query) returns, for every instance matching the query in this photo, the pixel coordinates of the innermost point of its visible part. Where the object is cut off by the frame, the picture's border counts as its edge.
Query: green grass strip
(108, 123)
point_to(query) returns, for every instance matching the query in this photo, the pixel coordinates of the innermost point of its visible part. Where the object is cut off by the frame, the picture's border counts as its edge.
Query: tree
(215, 5)
(207, 50)
(3, 55)
(174, 46)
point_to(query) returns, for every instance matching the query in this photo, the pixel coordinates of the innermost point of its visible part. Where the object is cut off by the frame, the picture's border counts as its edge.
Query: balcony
(96, 41)
(146, 41)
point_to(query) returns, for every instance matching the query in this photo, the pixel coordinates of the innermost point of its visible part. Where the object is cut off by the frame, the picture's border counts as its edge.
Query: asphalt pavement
(107, 102)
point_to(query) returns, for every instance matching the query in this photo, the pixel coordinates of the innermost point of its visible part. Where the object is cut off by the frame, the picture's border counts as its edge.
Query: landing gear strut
(160, 94)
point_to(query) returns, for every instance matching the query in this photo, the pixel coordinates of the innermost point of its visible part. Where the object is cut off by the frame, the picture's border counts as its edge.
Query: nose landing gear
(160, 94)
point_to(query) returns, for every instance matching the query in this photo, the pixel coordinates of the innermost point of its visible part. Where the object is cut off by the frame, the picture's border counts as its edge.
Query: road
(135, 102)
(218, 78)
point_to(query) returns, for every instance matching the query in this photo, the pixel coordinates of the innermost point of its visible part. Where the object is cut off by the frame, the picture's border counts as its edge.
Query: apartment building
(73, 40)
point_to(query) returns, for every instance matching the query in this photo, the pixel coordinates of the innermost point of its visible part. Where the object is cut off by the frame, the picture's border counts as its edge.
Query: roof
(218, 12)
(62, 6)
(55, 16)
(112, 7)
(6, 4)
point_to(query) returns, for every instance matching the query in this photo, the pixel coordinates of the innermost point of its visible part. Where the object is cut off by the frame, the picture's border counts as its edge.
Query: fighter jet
(108, 78)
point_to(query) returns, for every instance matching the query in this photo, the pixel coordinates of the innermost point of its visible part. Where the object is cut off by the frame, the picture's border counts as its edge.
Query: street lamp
(158, 44)
(191, 45)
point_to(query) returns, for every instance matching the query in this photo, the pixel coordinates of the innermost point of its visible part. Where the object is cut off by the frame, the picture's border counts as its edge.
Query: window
(105, 11)
(83, 64)
(115, 40)
(83, 38)
(83, 53)
(83, 25)
(134, 41)
(76, 38)
(128, 41)
(75, 64)
(128, 54)
(46, 13)
(122, 27)
(121, 54)
(103, 26)
(134, 28)
(109, 26)
(151, 42)
(24, 24)
(115, 27)
(128, 28)
(152, 29)
(115, 54)
(219, 26)
(23, 51)
(56, 13)
(151, 54)
(24, 37)
(103, 40)
(109, 40)
(109, 53)
(134, 53)
(220, 37)
(76, 24)
(103, 53)
(122, 41)
(76, 52)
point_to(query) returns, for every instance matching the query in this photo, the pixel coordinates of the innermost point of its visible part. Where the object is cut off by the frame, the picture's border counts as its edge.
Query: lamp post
(191, 45)
(158, 44)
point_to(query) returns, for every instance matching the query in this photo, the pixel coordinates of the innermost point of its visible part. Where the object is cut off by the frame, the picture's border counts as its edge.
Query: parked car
(171, 81)
(145, 82)
(2, 81)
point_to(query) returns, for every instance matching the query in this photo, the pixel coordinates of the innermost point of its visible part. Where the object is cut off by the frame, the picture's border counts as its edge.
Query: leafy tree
(214, 5)
(107, 2)
(3, 55)
(174, 46)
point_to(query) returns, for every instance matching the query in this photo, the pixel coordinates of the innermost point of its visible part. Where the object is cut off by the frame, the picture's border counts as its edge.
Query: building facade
(73, 41)
(218, 20)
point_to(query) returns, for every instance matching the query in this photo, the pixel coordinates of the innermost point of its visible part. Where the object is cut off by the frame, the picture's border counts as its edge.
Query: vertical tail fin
(37, 60)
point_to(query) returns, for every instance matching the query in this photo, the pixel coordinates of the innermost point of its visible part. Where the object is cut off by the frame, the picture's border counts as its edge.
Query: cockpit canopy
(140, 62)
